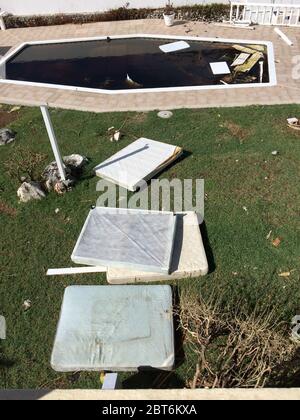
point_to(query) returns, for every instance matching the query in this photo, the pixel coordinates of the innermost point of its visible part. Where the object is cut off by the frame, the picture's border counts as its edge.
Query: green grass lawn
(230, 148)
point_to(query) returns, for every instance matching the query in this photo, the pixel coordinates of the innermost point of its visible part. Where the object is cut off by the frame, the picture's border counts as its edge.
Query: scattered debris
(294, 123)
(220, 68)
(73, 166)
(284, 37)
(261, 71)
(240, 59)
(102, 333)
(132, 84)
(141, 160)
(14, 109)
(7, 136)
(27, 304)
(276, 242)
(51, 176)
(225, 24)
(165, 114)
(114, 135)
(30, 191)
(249, 64)
(174, 46)
(286, 273)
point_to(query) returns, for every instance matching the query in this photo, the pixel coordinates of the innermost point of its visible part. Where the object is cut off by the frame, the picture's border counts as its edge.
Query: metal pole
(53, 142)
(2, 23)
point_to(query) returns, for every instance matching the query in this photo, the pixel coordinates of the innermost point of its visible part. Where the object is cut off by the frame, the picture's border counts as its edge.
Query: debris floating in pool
(136, 63)
(220, 68)
(174, 46)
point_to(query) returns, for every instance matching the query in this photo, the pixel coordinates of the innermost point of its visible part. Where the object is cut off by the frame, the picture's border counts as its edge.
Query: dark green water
(106, 64)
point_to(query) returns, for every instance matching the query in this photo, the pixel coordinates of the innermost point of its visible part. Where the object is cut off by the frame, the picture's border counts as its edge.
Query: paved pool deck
(287, 90)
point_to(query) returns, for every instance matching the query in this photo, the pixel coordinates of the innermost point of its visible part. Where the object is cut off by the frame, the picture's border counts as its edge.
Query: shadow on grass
(208, 249)
(288, 375)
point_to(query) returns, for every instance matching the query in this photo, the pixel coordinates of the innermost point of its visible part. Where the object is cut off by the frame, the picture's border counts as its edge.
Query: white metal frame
(53, 141)
(2, 22)
(268, 44)
(265, 13)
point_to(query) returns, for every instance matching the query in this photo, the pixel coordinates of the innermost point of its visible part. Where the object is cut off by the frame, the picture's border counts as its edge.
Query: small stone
(275, 153)
(26, 304)
(75, 161)
(7, 136)
(61, 187)
(57, 211)
(276, 242)
(30, 191)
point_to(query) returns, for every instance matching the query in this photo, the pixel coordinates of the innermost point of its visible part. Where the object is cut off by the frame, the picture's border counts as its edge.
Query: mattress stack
(126, 328)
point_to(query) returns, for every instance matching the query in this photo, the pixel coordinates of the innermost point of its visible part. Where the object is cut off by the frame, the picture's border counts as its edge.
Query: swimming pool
(138, 63)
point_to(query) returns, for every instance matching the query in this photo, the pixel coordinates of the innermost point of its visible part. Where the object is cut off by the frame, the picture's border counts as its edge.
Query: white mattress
(189, 257)
(141, 160)
(119, 328)
(136, 239)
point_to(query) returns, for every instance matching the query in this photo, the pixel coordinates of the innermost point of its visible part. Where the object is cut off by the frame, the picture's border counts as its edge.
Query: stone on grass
(72, 164)
(75, 162)
(7, 136)
(52, 177)
(30, 191)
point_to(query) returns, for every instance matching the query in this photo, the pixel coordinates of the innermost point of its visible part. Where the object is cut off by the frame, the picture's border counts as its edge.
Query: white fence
(265, 13)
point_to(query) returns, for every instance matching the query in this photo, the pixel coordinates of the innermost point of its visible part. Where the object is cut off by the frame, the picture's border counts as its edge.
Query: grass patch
(244, 263)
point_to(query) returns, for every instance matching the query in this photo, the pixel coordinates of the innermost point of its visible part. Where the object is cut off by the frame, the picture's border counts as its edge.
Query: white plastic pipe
(261, 71)
(283, 36)
(75, 270)
(2, 23)
(53, 141)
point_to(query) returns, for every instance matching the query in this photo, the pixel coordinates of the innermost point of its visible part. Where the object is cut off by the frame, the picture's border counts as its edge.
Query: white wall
(31, 7)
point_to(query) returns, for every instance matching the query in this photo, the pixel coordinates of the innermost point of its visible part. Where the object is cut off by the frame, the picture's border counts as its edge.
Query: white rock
(30, 191)
(6, 136)
(75, 161)
(26, 304)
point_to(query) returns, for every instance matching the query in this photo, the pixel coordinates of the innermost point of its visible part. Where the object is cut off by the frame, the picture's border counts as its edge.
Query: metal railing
(265, 13)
